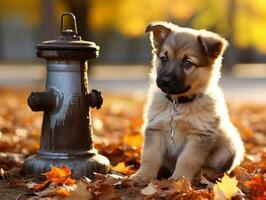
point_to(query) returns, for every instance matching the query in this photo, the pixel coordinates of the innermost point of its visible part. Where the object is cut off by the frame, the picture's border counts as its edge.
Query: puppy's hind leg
(227, 154)
(193, 156)
(222, 159)
(152, 156)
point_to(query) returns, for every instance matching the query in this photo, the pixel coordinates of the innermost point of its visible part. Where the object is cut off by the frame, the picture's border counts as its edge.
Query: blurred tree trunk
(1, 42)
(232, 52)
(49, 29)
(80, 9)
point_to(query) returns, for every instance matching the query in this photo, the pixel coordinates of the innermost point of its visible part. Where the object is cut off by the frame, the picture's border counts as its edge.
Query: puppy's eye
(187, 64)
(164, 59)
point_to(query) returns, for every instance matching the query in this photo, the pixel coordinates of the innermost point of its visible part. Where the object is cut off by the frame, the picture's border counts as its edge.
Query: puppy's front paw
(176, 177)
(140, 177)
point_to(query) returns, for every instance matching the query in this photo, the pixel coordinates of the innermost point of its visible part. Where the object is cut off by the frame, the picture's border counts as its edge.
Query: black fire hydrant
(66, 132)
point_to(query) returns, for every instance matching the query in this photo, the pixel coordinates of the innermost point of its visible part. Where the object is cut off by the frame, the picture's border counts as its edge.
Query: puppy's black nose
(166, 80)
(171, 84)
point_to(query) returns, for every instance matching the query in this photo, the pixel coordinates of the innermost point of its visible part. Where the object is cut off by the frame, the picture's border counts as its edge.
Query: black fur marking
(228, 164)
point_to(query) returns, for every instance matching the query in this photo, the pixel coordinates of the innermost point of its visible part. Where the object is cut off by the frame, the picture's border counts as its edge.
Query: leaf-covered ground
(117, 135)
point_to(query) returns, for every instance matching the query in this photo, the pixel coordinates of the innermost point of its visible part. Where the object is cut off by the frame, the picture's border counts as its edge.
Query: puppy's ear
(159, 32)
(212, 44)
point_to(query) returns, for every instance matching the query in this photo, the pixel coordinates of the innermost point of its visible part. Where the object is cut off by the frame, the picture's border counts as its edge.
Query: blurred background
(118, 26)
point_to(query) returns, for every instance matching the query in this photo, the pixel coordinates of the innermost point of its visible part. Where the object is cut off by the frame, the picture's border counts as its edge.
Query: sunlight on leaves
(122, 168)
(135, 140)
(249, 118)
(225, 189)
(257, 186)
(62, 192)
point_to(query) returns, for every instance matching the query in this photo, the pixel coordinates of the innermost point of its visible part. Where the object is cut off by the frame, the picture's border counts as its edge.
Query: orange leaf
(41, 186)
(59, 175)
(56, 175)
(120, 167)
(257, 186)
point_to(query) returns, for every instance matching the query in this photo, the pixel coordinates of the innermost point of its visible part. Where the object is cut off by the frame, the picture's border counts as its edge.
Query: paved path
(130, 79)
(236, 89)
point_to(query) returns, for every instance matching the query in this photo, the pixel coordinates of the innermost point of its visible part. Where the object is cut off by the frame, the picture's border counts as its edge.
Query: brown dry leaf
(80, 193)
(167, 189)
(241, 174)
(113, 179)
(101, 189)
(118, 133)
(56, 191)
(172, 188)
(107, 192)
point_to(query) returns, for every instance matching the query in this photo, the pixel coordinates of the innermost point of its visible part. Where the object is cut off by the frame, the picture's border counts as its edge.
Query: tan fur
(204, 136)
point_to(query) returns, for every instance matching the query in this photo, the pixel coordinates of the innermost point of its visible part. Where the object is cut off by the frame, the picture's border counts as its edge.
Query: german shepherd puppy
(186, 123)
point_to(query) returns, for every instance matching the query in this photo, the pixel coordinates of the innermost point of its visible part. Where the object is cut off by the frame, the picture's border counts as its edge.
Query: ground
(117, 128)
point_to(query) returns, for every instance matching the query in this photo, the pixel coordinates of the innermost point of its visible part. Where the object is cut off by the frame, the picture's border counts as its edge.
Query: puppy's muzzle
(171, 85)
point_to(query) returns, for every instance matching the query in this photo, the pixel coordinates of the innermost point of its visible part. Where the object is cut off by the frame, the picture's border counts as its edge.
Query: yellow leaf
(122, 168)
(225, 189)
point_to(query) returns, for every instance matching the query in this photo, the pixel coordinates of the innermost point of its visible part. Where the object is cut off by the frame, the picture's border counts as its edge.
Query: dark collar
(183, 99)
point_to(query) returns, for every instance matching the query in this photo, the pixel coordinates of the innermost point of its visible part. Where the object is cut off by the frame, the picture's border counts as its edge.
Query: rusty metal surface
(66, 130)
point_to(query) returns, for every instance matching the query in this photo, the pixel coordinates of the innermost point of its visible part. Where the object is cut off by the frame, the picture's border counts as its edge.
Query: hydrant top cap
(68, 44)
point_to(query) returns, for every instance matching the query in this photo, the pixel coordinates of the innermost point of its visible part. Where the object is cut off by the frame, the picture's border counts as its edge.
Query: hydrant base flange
(80, 165)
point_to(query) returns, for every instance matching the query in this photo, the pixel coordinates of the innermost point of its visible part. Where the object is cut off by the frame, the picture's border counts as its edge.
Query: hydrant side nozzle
(42, 101)
(94, 99)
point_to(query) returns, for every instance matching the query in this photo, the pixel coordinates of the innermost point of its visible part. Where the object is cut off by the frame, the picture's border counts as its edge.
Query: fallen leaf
(257, 187)
(2, 172)
(171, 188)
(113, 178)
(56, 175)
(122, 168)
(62, 192)
(55, 190)
(225, 189)
(31, 185)
(41, 186)
(149, 190)
(80, 193)
(107, 192)
(118, 137)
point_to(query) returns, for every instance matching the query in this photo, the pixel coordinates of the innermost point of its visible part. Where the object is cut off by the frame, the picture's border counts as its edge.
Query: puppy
(186, 123)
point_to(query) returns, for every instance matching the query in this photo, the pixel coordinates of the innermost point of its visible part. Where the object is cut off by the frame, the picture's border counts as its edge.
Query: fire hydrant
(66, 136)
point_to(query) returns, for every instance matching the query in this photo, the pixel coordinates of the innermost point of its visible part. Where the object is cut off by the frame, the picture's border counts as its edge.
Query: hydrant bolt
(42, 101)
(94, 99)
